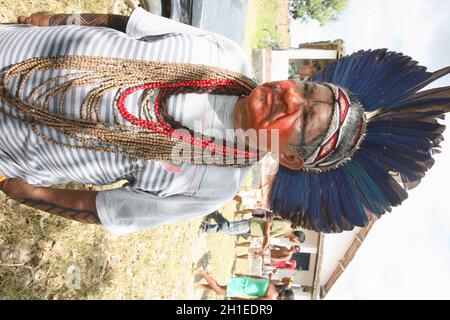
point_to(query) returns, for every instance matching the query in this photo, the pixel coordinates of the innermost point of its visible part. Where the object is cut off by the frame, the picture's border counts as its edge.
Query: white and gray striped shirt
(156, 193)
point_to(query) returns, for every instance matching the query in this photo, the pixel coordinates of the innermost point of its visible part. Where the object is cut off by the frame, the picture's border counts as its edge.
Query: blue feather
(353, 210)
(314, 211)
(379, 174)
(334, 209)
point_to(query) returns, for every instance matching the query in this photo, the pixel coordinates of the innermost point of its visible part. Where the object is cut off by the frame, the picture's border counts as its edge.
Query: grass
(263, 15)
(11, 9)
(46, 257)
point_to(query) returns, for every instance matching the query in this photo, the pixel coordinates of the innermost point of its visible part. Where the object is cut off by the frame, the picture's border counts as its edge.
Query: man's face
(300, 111)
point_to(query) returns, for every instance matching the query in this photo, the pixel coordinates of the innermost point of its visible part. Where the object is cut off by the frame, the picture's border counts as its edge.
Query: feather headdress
(391, 151)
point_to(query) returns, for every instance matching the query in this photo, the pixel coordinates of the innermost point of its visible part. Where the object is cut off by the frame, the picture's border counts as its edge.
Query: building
(301, 62)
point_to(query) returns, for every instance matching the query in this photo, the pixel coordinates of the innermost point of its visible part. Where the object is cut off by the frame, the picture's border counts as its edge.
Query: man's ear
(291, 160)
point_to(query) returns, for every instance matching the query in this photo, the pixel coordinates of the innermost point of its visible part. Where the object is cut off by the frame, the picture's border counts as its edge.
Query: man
(158, 192)
(255, 227)
(97, 105)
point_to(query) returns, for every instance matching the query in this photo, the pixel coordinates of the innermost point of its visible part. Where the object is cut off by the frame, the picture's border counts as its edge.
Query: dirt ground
(45, 257)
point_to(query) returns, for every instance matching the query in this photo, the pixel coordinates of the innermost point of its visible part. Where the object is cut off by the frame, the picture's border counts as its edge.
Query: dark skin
(47, 19)
(78, 205)
(286, 106)
(279, 253)
(300, 111)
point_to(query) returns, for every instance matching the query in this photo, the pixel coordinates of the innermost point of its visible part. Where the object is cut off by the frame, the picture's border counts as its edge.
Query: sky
(407, 253)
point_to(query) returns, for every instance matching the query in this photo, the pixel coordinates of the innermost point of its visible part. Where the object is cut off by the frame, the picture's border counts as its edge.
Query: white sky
(407, 253)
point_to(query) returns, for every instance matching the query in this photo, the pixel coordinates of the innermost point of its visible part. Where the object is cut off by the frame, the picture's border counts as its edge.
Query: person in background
(253, 227)
(277, 253)
(248, 287)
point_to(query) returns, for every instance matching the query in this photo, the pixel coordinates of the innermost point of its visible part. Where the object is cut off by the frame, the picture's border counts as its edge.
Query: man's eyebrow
(333, 96)
(331, 103)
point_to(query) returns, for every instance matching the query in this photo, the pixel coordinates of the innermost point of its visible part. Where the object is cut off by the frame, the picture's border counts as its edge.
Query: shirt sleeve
(126, 210)
(143, 23)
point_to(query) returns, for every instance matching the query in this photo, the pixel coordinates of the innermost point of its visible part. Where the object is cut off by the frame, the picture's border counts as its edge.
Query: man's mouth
(271, 102)
(277, 108)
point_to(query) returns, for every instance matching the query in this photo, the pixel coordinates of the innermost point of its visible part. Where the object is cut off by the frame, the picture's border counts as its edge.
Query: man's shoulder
(225, 181)
(234, 56)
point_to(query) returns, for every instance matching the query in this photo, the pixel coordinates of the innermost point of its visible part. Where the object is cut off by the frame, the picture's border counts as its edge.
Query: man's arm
(266, 241)
(46, 19)
(78, 205)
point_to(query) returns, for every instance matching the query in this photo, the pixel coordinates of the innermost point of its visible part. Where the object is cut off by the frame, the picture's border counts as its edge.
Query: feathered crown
(392, 143)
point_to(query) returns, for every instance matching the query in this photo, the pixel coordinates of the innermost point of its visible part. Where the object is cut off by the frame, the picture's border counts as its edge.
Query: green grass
(11, 9)
(45, 257)
(266, 14)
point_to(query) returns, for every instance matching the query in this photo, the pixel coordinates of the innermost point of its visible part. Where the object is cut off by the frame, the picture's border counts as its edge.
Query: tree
(323, 11)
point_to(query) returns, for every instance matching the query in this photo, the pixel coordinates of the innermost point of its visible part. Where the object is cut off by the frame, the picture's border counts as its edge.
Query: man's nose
(294, 100)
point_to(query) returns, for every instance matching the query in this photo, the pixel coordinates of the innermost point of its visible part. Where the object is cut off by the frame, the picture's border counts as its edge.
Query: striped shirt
(157, 193)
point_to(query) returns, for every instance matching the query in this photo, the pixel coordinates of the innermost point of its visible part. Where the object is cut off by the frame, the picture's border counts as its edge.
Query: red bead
(164, 128)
